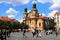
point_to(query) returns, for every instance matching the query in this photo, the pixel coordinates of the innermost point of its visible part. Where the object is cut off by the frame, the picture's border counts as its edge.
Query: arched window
(39, 24)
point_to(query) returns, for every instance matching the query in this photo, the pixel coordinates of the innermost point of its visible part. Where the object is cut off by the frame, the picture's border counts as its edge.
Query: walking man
(24, 31)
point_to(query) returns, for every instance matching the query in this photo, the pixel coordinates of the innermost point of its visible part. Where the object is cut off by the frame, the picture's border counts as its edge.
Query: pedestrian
(46, 32)
(1, 37)
(37, 32)
(56, 33)
(4, 34)
(33, 32)
(24, 31)
(9, 31)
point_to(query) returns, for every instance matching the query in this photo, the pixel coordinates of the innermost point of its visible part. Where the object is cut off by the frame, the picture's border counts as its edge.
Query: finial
(34, 4)
(25, 10)
(34, 1)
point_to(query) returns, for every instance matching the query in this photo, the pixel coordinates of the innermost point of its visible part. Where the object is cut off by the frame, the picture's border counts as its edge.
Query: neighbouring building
(57, 20)
(4, 18)
(49, 24)
(34, 20)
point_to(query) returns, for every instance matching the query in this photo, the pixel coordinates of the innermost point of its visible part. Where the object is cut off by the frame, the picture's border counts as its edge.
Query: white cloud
(34, 1)
(42, 14)
(44, 1)
(56, 4)
(12, 11)
(11, 16)
(28, 11)
(52, 13)
(20, 20)
(15, 2)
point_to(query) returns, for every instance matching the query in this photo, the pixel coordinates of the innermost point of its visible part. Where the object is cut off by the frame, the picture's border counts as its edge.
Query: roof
(57, 13)
(4, 18)
(42, 17)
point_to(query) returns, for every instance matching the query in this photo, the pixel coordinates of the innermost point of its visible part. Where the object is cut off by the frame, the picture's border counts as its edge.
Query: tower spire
(34, 4)
(25, 10)
(34, 1)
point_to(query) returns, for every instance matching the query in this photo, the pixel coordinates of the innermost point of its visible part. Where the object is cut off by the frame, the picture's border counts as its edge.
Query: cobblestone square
(19, 36)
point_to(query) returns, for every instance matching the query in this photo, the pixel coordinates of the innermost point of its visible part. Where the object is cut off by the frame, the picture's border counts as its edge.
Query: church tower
(34, 6)
(34, 10)
(25, 15)
(33, 17)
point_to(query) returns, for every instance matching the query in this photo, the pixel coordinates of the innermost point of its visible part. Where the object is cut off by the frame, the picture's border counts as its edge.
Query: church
(33, 19)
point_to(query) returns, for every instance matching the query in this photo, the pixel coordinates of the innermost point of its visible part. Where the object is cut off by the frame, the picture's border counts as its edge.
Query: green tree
(3, 24)
(24, 26)
(9, 24)
(51, 25)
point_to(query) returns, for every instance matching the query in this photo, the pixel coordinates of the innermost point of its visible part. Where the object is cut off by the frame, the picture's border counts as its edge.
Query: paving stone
(19, 36)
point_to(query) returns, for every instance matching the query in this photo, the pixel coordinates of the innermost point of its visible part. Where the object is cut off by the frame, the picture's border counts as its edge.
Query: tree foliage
(51, 25)
(12, 25)
(8, 24)
(24, 26)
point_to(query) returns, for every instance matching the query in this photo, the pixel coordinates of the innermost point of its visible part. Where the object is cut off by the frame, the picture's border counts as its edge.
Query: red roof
(57, 13)
(7, 19)
(42, 17)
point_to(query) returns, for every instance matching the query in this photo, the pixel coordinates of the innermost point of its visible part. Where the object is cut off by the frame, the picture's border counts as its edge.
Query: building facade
(57, 20)
(34, 20)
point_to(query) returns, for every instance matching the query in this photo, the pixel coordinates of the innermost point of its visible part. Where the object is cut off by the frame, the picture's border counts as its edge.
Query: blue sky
(15, 8)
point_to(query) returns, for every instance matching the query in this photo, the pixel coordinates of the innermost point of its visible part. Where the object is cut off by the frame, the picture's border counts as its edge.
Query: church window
(39, 24)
